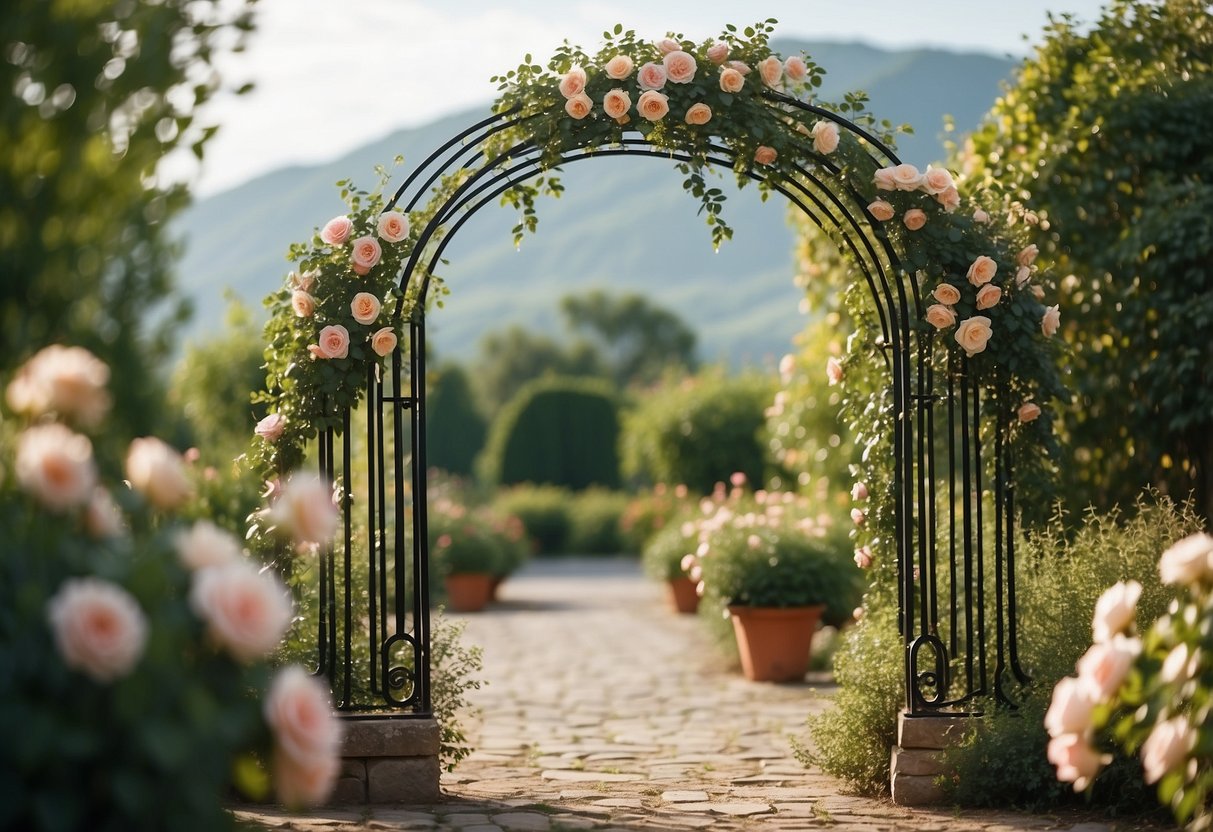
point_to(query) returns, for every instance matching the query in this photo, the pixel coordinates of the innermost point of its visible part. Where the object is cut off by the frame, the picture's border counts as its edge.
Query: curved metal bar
(783, 98)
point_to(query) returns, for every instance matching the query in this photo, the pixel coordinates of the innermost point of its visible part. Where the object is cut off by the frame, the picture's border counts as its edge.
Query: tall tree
(639, 340)
(93, 95)
(1107, 136)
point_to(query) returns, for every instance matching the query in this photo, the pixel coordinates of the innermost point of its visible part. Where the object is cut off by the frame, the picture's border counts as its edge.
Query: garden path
(606, 711)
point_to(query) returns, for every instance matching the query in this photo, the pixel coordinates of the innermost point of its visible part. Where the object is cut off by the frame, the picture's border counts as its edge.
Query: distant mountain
(623, 224)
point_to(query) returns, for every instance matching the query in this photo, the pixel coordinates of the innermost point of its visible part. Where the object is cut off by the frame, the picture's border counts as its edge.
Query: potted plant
(663, 558)
(469, 555)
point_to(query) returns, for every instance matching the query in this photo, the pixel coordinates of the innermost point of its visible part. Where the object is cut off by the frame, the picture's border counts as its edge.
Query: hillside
(624, 224)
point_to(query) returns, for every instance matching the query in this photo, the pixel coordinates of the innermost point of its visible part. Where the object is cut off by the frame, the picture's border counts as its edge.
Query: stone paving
(604, 710)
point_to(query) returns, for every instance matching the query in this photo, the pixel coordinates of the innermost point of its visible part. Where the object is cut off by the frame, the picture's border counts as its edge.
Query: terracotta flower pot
(774, 642)
(682, 594)
(468, 591)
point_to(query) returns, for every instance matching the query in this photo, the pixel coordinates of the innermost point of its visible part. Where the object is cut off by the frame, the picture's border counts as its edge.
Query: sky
(332, 76)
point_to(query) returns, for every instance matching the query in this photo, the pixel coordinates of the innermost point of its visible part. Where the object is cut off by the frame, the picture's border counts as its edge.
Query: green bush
(663, 554)
(699, 432)
(558, 431)
(462, 542)
(544, 511)
(455, 429)
(651, 511)
(595, 516)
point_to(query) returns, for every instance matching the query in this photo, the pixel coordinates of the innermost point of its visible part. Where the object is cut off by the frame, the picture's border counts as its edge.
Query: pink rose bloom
(857, 614)
(616, 103)
(303, 304)
(300, 714)
(765, 155)
(699, 114)
(1027, 255)
(334, 342)
(718, 53)
(881, 210)
(884, 180)
(204, 544)
(687, 562)
(834, 370)
(988, 296)
(940, 316)
(737, 479)
(667, 45)
(982, 270)
(651, 76)
(365, 255)
(1115, 609)
(679, 66)
(858, 517)
(731, 80)
(1105, 664)
(1077, 762)
(1022, 275)
(771, 70)
(271, 427)
(1050, 321)
(245, 611)
(102, 517)
(1188, 561)
(67, 381)
(305, 510)
(859, 491)
(337, 230)
(299, 785)
(158, 472)
(1178, 665)
(393, 226)
(579, 106)
(56, 467)
(619, 67)
(383, 341)
(907, 178)
(740, 66)
(653, 105)
(365, 308)
(863, 557)
(795, 68)
(787, 365)
(981, 216)
(949, 199)
(825, 136)
(573, 82)
(914, 219)
(98, 626)
(1028, 412)
(947, 293)
(1167, 747)
(974, 334)
(936, 180)
(1070, 710)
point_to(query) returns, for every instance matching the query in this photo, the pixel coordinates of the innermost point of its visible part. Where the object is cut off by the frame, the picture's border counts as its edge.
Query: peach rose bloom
(981, 216)
(68, 381)
(1050, 321)
(765, 155)
(573, 82)
(56, 467)
(881, 210)
(271, 427)
(884, 180)
(1077, 762)
(1188, 561)
(787, 366)
(679, 66)
(383, 341)
(302, 282)
(1166, 748)
(337, 230)
(158, 472)
(863, 557)
(393, 226)
(653, 105)
(667, 45)
(825, 136)
(1022, 275)
(102, 517)
(834, 370)
(616, 103)
(771, 70)
(718, 53)
(303, 304)
(619, 67)
(949, 199)
(936, 180)
(1027, 255)
(204, 544)
(795, 68)
(1105, 664)
(740, 66)
(365, 255)
(1115, 610)
(245, 611)
(947, 293)
(365, 307)
(305, 509)
(299, 785)
(334, 342)
(1070, 709)
(579, 106)
(1028, 412)
(973, 334)
(300, 714)
(858, 517)
(982, 271)
(731, 80)
(651, 76)
(699, 114)
(914, 219)
(988, 296)
(940, 316)
(1178, 665)
(1038, 292)
(907, 178)
(98, 626)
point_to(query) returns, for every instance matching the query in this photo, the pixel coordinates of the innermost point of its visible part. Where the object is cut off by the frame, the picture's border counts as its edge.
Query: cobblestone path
(604, 710)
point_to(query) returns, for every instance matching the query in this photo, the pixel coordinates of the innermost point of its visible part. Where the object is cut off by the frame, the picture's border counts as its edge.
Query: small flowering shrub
(665, 552)
(545, 514)
(651, 511)
(463, 541)
(1147, 694)
(133, 645)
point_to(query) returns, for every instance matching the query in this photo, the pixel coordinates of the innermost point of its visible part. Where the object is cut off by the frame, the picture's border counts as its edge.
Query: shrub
(595, 516)
(699, 432)
(651, 511)
(544, 513)
(557, 431)
(453, 669)
(455, 429)
(663, 554)
(462, 542)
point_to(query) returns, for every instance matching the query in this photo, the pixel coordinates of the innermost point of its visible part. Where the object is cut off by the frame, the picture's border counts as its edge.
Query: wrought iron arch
(937, 424)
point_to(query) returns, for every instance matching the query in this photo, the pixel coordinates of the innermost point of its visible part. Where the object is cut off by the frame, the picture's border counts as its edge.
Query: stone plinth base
(389, 761)
(918, 756)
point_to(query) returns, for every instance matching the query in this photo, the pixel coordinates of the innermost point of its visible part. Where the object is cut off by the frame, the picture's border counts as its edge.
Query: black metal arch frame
(942, 551)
